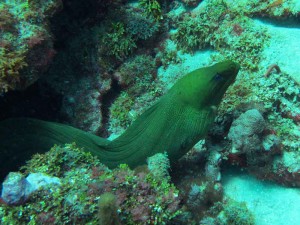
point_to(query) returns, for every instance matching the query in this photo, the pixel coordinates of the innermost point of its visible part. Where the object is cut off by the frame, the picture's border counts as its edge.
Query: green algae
(83, 181)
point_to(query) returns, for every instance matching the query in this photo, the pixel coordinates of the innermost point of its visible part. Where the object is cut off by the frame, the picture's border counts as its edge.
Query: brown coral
(7, 21)
(11, 63)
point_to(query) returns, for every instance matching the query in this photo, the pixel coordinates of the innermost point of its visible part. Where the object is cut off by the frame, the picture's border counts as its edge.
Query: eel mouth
(230, 77)
(234, 69)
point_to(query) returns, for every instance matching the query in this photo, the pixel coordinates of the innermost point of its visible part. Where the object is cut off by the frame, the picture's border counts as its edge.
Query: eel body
(173, 124)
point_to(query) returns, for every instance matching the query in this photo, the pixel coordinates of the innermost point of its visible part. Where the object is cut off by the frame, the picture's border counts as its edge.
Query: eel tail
(20, 138)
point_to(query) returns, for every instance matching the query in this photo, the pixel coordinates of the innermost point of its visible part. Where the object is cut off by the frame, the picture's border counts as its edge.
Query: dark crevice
(107, 99)
(32, 102)
(284, 23)
(42, 101)
(76, 15)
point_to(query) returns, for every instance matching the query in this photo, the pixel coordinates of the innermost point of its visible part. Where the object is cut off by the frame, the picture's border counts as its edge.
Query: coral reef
(228, 212)
(95, 64)
(159, 165)
(77, 75)
(196, 196)
(136, 74)
(279, 95)
(120, 113)
(140, 26)
(117, 42)
(135, 198)
(224, 28)
(26, 47)
(235, 213)
(275, 97)
(152, 8)
(275, 9)
(246, 130)
(191, 3)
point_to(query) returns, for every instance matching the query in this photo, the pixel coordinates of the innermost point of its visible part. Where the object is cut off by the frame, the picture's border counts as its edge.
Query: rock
(38, 180)
(16, 189)
(245, 131)
(271, 142)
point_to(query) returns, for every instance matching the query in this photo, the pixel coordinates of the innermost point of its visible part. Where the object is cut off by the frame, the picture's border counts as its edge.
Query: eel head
(206, 86)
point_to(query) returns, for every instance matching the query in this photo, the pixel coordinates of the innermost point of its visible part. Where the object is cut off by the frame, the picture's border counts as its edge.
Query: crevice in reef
(286, 23)
(107, 99)
(42, 101)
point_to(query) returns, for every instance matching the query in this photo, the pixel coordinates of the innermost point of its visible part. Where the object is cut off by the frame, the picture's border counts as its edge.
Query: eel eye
(218, 77)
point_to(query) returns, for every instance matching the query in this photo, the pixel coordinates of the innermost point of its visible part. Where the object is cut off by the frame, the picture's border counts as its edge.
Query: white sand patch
(189, 63)
(270, 203)
(284, 50)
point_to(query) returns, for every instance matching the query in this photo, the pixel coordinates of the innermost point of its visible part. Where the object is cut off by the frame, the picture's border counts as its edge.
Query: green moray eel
(176, 122)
